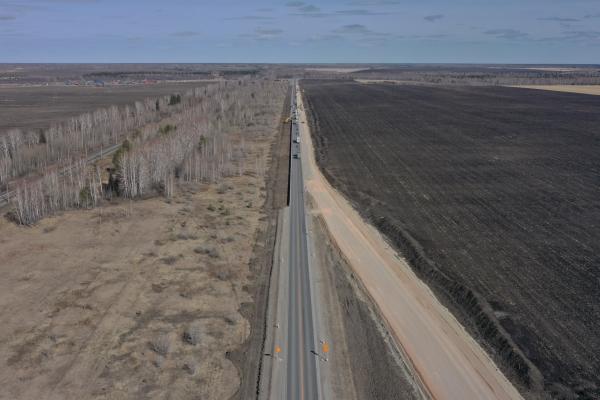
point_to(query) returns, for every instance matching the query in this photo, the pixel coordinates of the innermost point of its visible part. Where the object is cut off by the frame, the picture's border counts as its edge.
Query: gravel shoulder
(364, 361)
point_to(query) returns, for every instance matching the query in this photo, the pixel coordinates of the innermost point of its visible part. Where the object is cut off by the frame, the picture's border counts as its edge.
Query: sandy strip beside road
(581, 89)
(449, 362)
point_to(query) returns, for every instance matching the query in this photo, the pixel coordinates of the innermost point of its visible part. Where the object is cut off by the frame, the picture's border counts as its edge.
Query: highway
(301, 357)
(293, 364)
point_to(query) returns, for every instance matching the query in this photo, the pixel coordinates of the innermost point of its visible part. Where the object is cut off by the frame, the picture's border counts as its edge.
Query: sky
(326, 31)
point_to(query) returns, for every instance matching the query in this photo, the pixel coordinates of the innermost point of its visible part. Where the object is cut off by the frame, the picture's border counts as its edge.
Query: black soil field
(492, 194)
(34, 107)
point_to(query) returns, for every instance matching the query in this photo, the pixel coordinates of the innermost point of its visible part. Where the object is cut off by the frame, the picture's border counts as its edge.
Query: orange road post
(277, 351)
(325, 350)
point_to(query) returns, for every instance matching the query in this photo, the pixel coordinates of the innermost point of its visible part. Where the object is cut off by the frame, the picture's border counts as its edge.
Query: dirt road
(450, 364)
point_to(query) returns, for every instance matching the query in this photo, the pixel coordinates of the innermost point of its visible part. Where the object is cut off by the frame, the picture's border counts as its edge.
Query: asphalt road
(302, 356)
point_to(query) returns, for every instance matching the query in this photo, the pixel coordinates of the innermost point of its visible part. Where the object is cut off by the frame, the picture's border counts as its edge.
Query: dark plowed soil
(38, 107)
(492, 195)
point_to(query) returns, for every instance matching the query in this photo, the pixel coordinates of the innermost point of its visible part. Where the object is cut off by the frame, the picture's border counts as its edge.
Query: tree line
(204, 142)
(24, 153)
(472, 75)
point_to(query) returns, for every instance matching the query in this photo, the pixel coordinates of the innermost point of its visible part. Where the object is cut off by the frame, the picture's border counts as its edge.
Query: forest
(50, 171)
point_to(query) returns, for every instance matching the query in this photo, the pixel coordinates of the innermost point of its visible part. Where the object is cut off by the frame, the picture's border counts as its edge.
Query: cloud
(358, 12)
(509, 34)
(354, 29)
(423, 37)
(7, 17)
(252, 18)
(588, 16)
(70, 1)
(309, 8)
(579, 35)
(436, 36)
(306, 10)
(574, 36)
(433, 18)
(558, 19)
(312, 15)
(264, 33)
(361, 35)
(375, 2)
(185, 33)
(324, 37)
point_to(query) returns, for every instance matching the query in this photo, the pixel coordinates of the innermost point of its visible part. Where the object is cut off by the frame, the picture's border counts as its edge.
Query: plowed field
(492, 194)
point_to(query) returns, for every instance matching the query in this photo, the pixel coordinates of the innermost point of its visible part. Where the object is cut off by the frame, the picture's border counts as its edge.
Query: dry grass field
(130, 300)
(491, 194)
(152, 298)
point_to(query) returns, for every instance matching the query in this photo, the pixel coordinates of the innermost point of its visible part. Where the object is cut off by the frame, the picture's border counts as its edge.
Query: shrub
(201, 250)
(190, 365)
(169, 260)
(161, 345)
(191, 334)
(165, 130)
(174, 99)
(49, 229)
(213, 253)
(85, 197)
(125, 147)
(222, 189)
